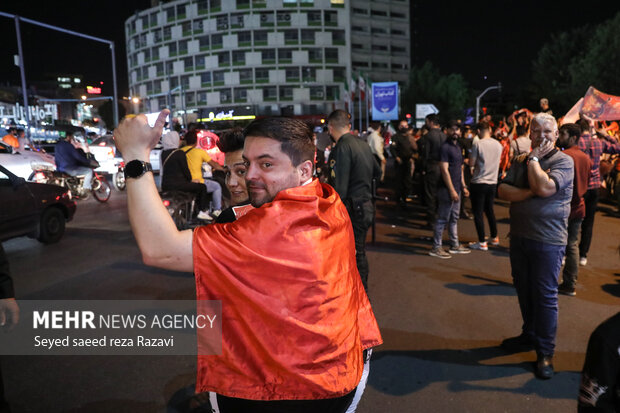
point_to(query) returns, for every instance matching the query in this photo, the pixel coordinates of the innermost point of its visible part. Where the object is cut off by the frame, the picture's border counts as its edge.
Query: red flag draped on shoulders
(295, 314)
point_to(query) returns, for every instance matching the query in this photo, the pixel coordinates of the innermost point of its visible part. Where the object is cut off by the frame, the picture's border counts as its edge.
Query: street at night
(442, 321)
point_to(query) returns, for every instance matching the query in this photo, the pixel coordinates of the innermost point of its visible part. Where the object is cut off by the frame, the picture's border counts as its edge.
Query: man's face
(563, 139)
(548, 130)
(403, 126)
(269, 170)
(454, 132)
(235, 177)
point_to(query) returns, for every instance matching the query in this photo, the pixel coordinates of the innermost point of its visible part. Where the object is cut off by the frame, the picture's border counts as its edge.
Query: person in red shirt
(296, 320)
(568, 139)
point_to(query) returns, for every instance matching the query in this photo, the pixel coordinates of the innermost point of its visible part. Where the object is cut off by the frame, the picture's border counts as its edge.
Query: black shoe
(466, 215)
(544, 367)
(518, 344)
(567, 290)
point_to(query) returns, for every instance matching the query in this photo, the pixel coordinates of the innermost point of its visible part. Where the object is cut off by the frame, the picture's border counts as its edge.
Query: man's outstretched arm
(160, 243)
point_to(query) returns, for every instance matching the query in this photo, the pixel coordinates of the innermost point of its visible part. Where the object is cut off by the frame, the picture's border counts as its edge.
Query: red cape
(295, 314)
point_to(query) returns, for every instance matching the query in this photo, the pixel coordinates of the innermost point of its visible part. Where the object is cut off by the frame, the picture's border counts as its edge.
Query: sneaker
(567, 290)
(583, 261)
(482, 246)
(459, 250)
(216, 213)
(518, 344)
(439, 253)
(494, 241)
(203, 215)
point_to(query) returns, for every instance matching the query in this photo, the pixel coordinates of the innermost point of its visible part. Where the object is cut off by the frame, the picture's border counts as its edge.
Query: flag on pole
(352, 86)
(347, 96)
(362, 86)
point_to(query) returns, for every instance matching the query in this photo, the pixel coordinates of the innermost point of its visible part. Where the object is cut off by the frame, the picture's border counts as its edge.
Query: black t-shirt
(600, 378)
(176, 172)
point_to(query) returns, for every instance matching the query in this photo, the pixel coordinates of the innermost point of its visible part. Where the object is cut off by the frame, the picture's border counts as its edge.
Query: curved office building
(262, 57)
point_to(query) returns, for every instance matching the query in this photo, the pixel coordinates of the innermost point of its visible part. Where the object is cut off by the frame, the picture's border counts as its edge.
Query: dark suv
(35, 210)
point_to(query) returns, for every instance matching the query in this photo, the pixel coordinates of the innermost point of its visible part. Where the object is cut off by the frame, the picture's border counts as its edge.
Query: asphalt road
(441, 320)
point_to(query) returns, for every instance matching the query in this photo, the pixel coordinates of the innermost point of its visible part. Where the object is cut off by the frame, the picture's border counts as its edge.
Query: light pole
(499, 87)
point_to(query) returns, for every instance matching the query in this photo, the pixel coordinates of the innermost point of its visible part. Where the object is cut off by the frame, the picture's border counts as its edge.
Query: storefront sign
(38, 113)
(385, 101)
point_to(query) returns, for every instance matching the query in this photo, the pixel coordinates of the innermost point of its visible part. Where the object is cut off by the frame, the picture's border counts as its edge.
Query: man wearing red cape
(295, 318)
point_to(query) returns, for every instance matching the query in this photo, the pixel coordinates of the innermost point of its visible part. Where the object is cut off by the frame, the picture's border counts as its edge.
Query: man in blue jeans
(449, 194)
(539, 209)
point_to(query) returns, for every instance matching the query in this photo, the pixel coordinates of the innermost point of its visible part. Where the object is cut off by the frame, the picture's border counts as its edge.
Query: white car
(105, 153)
(21, 162)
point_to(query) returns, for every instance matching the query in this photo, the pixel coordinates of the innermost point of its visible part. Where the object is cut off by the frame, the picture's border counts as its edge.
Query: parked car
(20, 162)
(35, 210)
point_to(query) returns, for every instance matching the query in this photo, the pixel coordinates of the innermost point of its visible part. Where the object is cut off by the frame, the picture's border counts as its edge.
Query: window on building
(200, 62)
(317, 92)
(268, 55)
(172, 48)
(190, 98)
(159, 69)
(382, 13)
(237, 21)
(292, 74)
(153, 19)
(202, 97)
(174, 82)
(332, 93)
(357, 10)
(244, 38)
(398, 15)
(169, 12)
(380, 65)
(243, 4)
(361, 29)
(399, 49)
(145, 22)
(197, 26)
(270, 93)
(241, 94)
(157, 35)
(331, 17)
(181, 11)
(167, 32)
(284, 18)
(285, 55)
(238, 57)
(205, 79)
(203, 6)
(169, 67)
(216, 5)
(216, 40)
(291, 36)
(260, 37)
(147, 55)
(225, 95)
(315, 55)
(286, 92)
(378, 30)
(262, 75)
(183, 47)
(223, 58)
(203, 42)
(143, 40)
(314, 18)
(218, 77)
(360, 63)
(399, 66)
(380, 47)
(338, 73)
(222, 22)
(307, 36)
(357, 46)
(399, 32)
(188, 63)
(155, 53)
(338, 37)
(187, 28)
(185, 81)
(331, 54)
(308, 74)
(267, 19)
(245, 76)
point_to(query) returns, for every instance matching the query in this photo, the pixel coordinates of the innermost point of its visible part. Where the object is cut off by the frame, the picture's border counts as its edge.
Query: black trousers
(361, 213)
(234, 405)
(403, 180)
(200, 190)
(431, 181)
(591, 200)
(482, 197)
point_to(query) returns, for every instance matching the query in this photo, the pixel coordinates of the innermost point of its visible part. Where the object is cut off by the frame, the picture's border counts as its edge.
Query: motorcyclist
(73, 161)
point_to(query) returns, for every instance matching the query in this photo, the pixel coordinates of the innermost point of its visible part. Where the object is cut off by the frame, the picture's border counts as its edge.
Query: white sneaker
(583, 261)
(482, 246)
(204, 215)
(216, 213)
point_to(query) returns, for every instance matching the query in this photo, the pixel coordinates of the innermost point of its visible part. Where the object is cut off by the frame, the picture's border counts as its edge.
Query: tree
(572, 61)
(449, 93)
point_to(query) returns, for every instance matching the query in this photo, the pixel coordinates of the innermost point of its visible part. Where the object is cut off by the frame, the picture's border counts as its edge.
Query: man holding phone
(538, 236)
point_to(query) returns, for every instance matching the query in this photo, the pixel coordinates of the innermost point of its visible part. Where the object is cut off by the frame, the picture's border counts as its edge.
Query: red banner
(600, 106)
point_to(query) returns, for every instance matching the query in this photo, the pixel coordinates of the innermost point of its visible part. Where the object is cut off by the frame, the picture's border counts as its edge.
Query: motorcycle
(99, 185)
(118, 178)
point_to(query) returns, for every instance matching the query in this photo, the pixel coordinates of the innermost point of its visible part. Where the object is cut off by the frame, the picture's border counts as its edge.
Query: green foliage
(572, 61)
(449, 93)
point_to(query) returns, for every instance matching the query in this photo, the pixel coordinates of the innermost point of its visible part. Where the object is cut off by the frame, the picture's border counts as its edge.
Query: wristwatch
(136, 168)
(534, 158)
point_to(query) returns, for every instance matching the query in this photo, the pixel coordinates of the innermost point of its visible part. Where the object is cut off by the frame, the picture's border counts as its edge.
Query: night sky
(486, 41)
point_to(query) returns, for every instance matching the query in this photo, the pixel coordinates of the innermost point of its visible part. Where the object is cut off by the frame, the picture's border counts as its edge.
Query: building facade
(262, 57)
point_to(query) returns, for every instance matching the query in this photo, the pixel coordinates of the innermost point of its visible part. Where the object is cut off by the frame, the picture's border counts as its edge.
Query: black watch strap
(136, 168)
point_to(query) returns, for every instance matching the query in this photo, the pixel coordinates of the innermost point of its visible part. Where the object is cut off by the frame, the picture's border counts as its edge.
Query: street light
(499, 87)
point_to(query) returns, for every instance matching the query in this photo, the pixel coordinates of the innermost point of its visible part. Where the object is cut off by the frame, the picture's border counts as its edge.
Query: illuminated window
(77, 80)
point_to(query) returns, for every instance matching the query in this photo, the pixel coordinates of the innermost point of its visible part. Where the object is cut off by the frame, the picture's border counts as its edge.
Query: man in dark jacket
(71, 161)
(403, 151)
(352, 169)
(432, 143)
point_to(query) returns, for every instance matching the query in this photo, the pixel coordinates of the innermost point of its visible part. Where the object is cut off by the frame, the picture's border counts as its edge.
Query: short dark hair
(483, 126)
(521, 130)
(191, 137)
(453, 122)
(231, 140)
(339, 118)
(295, 136)
(573, 130)
(375, 125)
(584, 125)
(432, 118)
